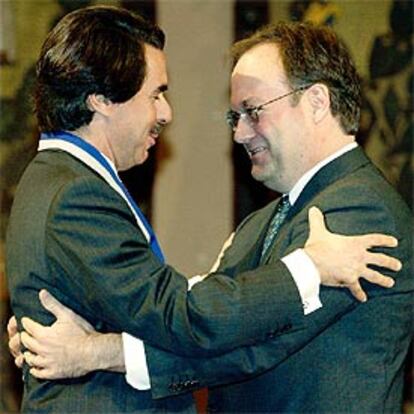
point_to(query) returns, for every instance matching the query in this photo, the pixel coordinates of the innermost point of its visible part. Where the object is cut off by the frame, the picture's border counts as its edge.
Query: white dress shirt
(300, 265)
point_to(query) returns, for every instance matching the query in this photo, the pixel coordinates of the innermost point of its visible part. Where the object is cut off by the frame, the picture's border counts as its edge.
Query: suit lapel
(244, 253)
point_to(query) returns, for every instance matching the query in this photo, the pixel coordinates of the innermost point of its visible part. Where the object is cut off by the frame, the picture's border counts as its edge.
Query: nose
(243, 131)
(164, 113)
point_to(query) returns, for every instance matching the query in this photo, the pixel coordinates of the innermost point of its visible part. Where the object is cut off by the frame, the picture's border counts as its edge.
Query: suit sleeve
(104, 269)
(345, 213)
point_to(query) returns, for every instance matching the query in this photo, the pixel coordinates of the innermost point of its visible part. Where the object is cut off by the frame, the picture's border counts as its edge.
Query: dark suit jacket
(348, 356)
(70, 233)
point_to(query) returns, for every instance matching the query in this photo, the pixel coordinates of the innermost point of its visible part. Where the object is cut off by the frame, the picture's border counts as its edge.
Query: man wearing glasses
(295, 108)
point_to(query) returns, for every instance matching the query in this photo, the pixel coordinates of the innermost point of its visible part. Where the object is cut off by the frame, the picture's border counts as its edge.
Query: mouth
(157, 129)
(151, 142)
(155, 133)
(255, 149)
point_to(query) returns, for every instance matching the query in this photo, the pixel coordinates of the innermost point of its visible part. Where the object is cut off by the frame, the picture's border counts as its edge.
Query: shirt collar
(301, 183)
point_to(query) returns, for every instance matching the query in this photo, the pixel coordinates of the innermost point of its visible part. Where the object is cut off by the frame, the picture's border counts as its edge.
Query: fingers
(12, 326)
(358, 292)
(316, 220)
(376, 277)
(380, 240)
(34, 360)
(226, 245)
(30, 343)
(32, 327)
(41, 373)
(229, 241)
(382, 260)
(18, 361)
(15, 345)
(39, 368)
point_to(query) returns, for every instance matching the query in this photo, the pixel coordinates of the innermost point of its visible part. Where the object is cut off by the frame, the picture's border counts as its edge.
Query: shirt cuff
(194, 280)
(307, 279)
(135, 363)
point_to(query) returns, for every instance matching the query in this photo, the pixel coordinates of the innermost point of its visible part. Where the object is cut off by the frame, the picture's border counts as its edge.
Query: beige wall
(193, 189)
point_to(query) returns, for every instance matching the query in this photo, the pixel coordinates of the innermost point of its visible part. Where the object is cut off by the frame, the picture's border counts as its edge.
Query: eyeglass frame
(248, 112)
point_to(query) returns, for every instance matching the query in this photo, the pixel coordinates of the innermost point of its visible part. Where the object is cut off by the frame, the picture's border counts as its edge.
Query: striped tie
(274, 226)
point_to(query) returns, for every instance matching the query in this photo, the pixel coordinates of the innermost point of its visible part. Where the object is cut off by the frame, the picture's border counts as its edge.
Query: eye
(253, 113)
(232, 118)
(160, 95)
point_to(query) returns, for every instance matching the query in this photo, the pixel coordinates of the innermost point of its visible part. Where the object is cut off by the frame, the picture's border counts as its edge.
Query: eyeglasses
(252, 113)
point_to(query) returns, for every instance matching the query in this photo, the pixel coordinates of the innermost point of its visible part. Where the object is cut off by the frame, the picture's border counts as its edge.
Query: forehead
(156, 66)
(259, 68)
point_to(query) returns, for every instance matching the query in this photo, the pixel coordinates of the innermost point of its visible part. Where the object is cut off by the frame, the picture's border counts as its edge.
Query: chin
(260, 174)
(267, 180)
(141, 155)
(143, 158)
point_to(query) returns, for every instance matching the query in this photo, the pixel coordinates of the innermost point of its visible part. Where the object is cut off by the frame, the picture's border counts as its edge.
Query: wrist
(105, 352)
(311, 251)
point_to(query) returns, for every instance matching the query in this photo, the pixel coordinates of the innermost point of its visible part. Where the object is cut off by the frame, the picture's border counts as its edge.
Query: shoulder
(359, 202)
(365, 197)
(59, 183)
(90, 196)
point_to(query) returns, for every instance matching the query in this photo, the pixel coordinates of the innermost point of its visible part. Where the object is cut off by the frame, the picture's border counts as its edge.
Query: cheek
(273, 138)
(148, 120)
(151, 111)
(143, 123)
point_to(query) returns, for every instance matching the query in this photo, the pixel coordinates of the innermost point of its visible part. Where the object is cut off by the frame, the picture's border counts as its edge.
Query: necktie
(274, 226)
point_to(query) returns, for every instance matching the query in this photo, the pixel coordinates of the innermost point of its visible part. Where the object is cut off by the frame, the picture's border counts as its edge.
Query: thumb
(62, 312)
(316, 221)
(50, 303)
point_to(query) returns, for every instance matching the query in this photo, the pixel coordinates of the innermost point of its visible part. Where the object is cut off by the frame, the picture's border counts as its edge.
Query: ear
(99, 104)
(319, 100)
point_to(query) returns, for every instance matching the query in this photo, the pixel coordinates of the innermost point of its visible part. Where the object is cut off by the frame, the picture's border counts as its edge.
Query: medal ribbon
(95, 160)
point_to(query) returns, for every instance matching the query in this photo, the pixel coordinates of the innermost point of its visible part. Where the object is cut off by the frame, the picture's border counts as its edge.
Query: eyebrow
(162, 88)
(246, 104)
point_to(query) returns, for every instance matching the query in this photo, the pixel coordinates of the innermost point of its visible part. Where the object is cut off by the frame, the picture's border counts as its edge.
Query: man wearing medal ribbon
(76, 232)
